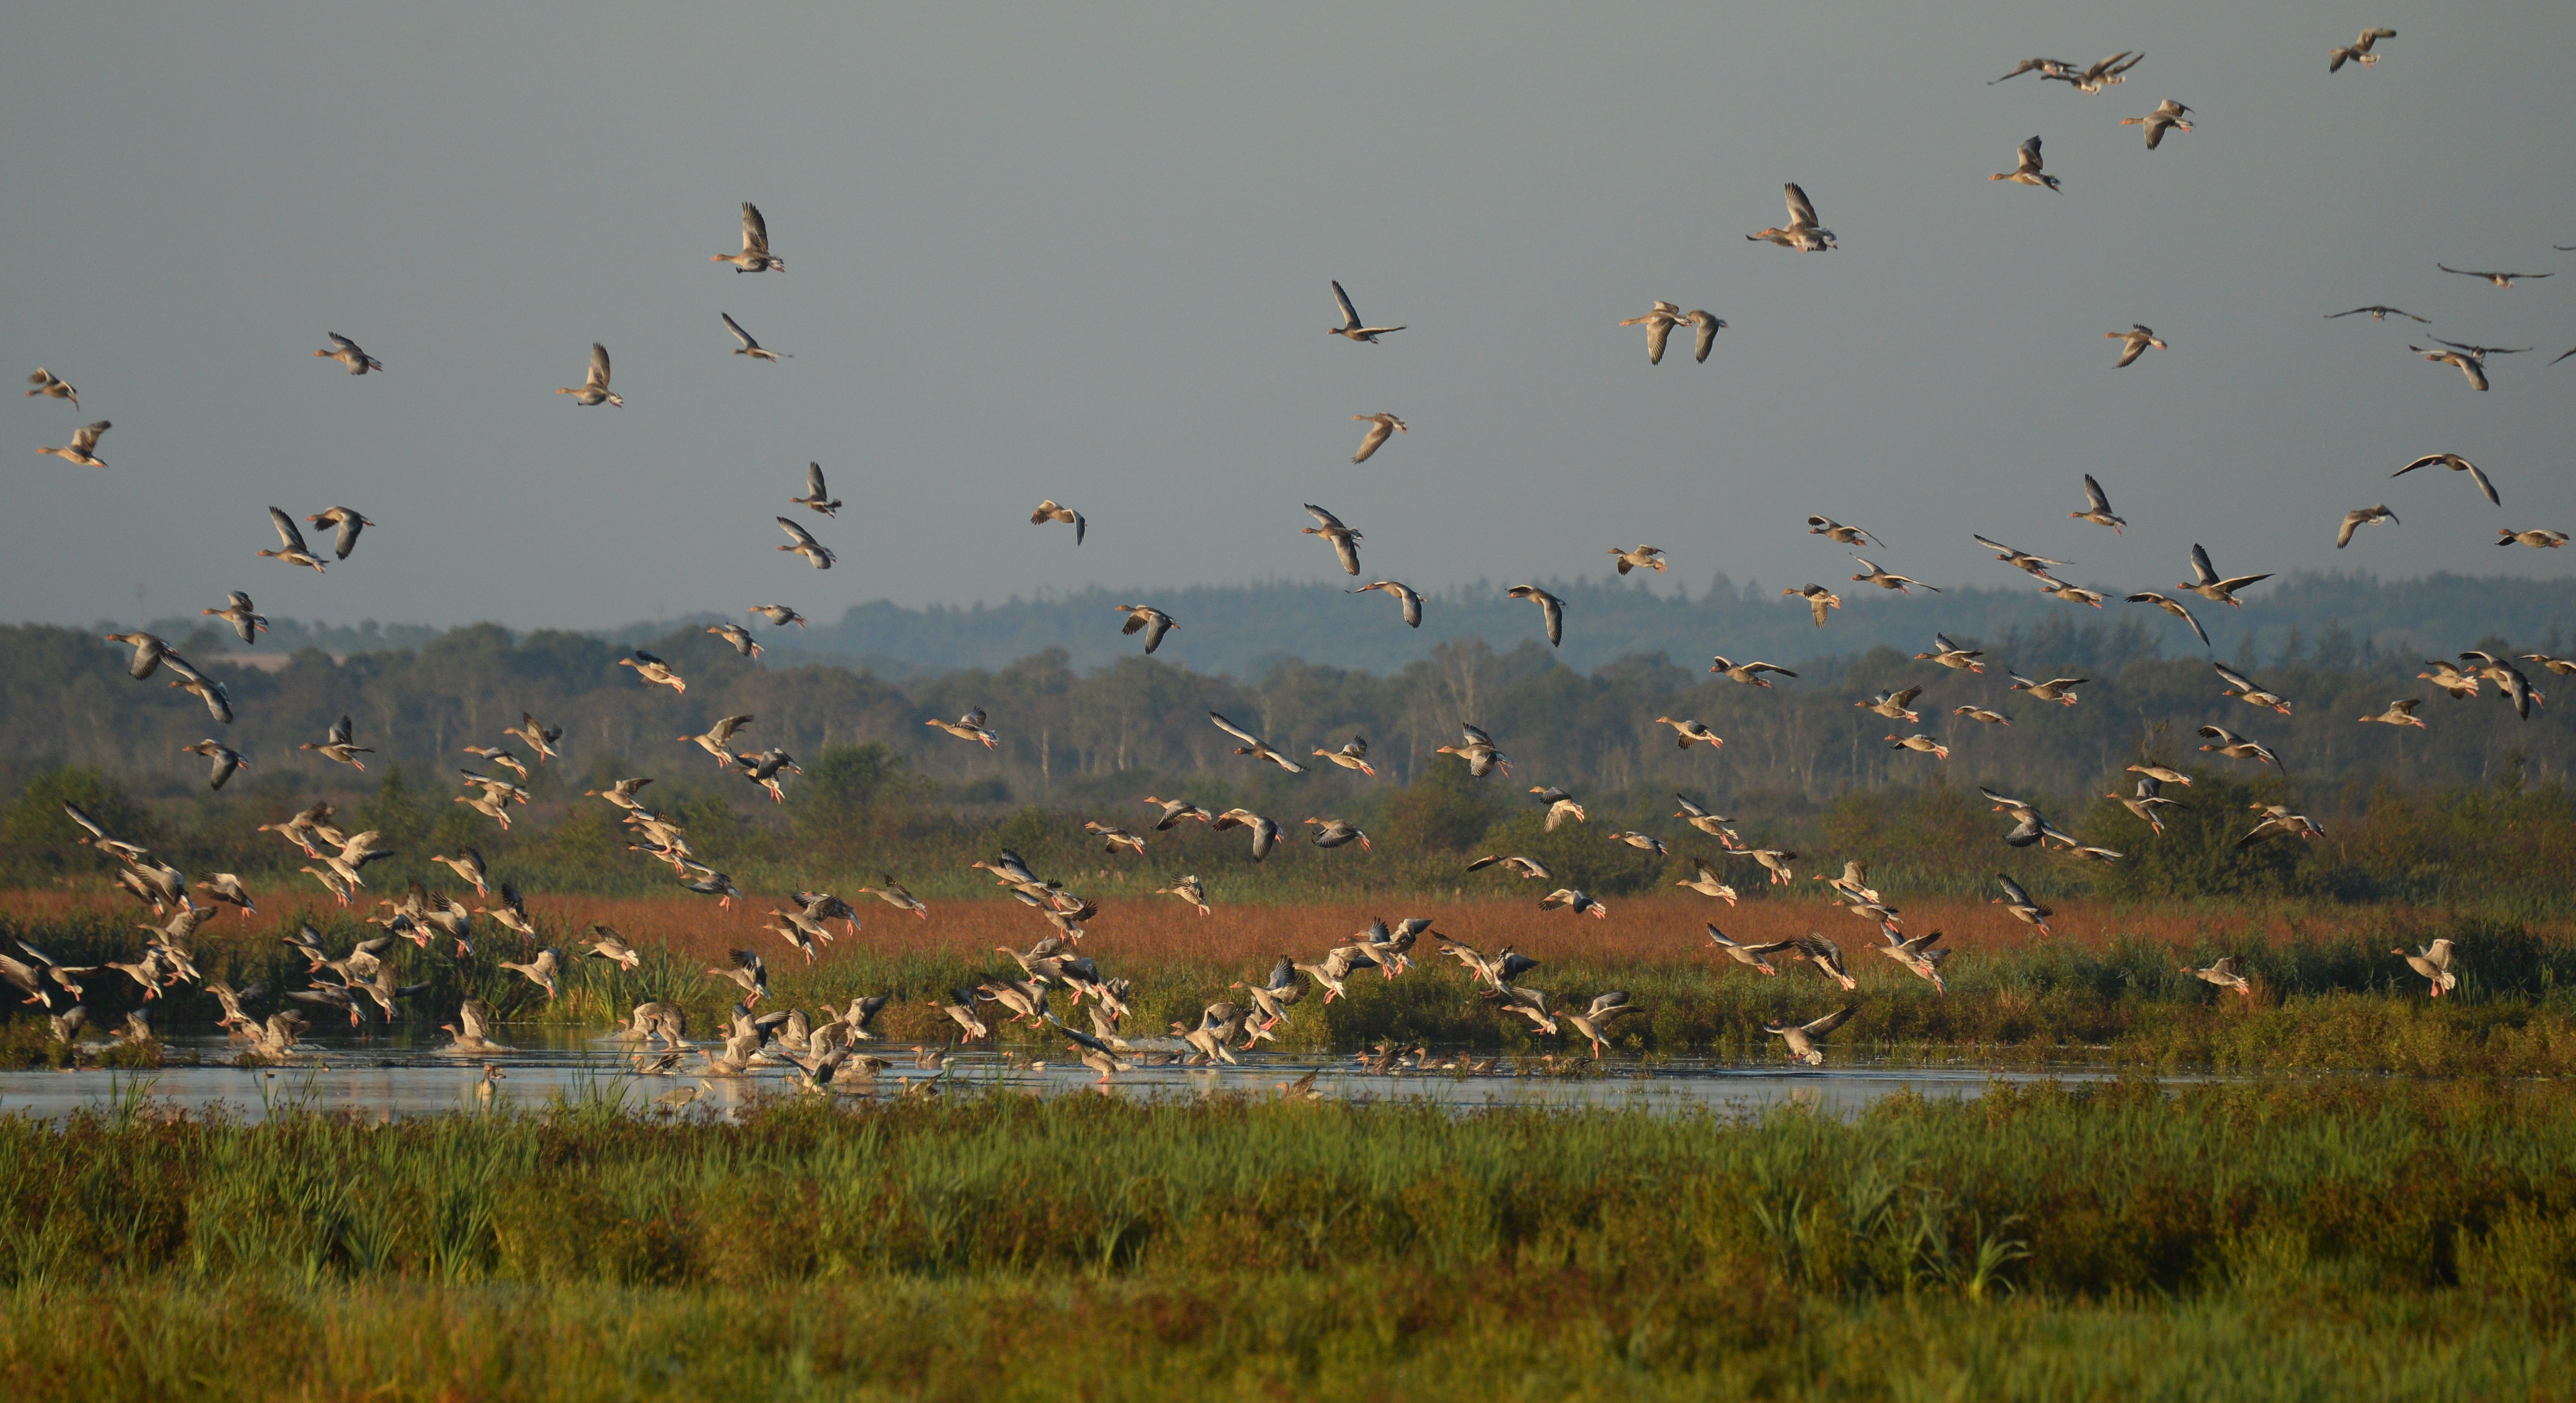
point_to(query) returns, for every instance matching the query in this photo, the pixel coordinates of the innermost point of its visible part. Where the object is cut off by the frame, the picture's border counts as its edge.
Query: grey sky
(1082, 252)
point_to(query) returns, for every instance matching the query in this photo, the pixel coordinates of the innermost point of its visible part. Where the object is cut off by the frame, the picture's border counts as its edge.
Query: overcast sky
(1081, 252)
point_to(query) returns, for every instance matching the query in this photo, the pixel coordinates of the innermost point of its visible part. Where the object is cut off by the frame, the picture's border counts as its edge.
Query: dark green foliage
(2202, 851)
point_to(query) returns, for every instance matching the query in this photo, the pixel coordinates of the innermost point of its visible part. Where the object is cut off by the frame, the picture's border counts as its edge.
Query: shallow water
(398, 1074)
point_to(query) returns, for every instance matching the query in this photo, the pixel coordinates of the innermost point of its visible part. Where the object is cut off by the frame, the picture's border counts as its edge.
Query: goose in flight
(1688, 733)
(2244, 689)
(2358, 51)
(1549, 605)
(237, 611)
(1353, 756)
(1980, 714)
(1577, 902)
(1380, 427)
(2167, 117)
(2381, 314)
(2225, 742)
(2050, 584)
(654, 671)
(345, 525)
(1889, 579)
(1803, 231)
(1750, 674)
(341, 745)
(2134, 343)
(2571, 351)
(816, 497)
(79, 452)
(2173, 607)
(1480, 753)
(2499, 279)
(717, 739)
(1712, 824)
(1187, 889)
(2400, 712)
(1952, 656)
(1352, 327)
(51, 386)
(1659, 325)
(2461, 685)
(2029, 171)
(2145, 802)
(1642, 557)
(2457, 464)
(1594, 1022)
(2434, 963)
(1154, 622)
(291, 547)
(1819, 599)
(2223, 974)
(218, 699)
(738, 636)
(2097, 508)
(1560, 806)
(1801, 1037)
(749, 346)
(595, 389)
(1051, 511)
(1920, 744)
(1265, 832)
(1707, 884)
(2472, 366)
(2355, 520)
(802, 542)
(2561, 667)
(2045, 67)
(1835, 531)
(2510, 683)
(2017, 900)
(2545, 539)
(1255, 746)
(755, 256)
(225, 759)
(1334, 833)
(779, 615)
(967, 727)
(2104, 74)
(1895, 706)
(540, 738)
(1705, 325)
(2056, 689)
(347, 353)
(1343, 538)
(2021, 560)
(2210, 586)
(1404, 595)
(1113, 837)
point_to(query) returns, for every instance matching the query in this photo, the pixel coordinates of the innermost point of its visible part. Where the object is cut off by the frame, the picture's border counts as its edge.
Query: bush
(2200, 852)
(37, 819)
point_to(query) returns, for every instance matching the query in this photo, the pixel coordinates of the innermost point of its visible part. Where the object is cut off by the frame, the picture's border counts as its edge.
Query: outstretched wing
(1350, 314)
(287, 534)
(738, 333)
(1247, 737)
(755, 230)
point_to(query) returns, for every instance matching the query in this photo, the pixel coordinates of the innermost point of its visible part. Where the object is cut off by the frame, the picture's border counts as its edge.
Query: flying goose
(1560, 806)
(1951, 655)
(1334, 833)
(1801, 1037)
(2457, 464)
(1659, 325)
(1330, 527)
(1921, 745)
(2223, 974)
(2167, 116)
(1643, 556)
(1749, 955)
(654, 671)
(2277, 819)
(2499, 279)
(2097, 506)
(1594, 1021)
(1411, 602)
(1352, 327)
(2381, 314)
(1642, 842)
(1154, 622)
(1480, 753)
(2509, 681)
(1688, 731)
(779, 615)
(2358, 51)
(755, 256)
(2243, 688)
(345, 524)
(225, 758)
(1380, 426)
(2474, 367)
(1895, 706)
(1916, 956)
(816, 497)
(291, 547)
(2045, 67)
(346, 352)
(2017, 900)
(2173, 607)
(1549, 605)
(595, 389)
(967, 727)
(1889, 579)
(2056, 689)
(2461, 685)
(2101, 75)
(2050, 584)
(739, 637)
(1113, 837)
(1979, 713)
(2029, 172)
(1265, 832)
(1749, 674)
(1353, 756)
(1187, 889)
(2434, 963)
(2021, 560)
(1707, 883)
(1803, 232)
(716, 739)
(2162, 774)
(340, 745)
(540, 971)
(2210, 586)
(2399, 713)
(150, 651)
(749, 346)
(2144, 803)
(801, 542)
(1835, 531)
(51, 386)
(1255, 746)
(1176, 812)
(2134, 343)
(1712, 824)
(1819, 599)
(2537, 536)
(1574, 901)
(2235, 747)
(84, 439)
(1706, 325)
(2355, 520)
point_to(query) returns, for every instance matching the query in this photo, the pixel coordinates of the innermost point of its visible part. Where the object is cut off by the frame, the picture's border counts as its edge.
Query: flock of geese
(819, 1049)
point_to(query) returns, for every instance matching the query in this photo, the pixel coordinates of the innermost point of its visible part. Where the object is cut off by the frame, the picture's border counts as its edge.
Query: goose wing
(2201, 567)
(1380, 430)
(598, 366)
(798, 534)
(1350, 314)
(1828, 1023)
(287, 534)
(1329, 521)
(755, 230)
(2478, 475)
(1247, 737)
(1801, 209)
(2095, 498)
(813, 474)
(738, 333)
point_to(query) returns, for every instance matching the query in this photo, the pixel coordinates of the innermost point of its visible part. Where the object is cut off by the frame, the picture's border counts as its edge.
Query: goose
(654, 671)
(2278, 819)
(1705, 325)
(749, 346)
(2537, 536)
(2017, 900)
(1341, 537)
(1773, 861)
(1893, 705)
(967, 727)
(1819, 599)
(755, 256)
(1689, 732)
(2167, 117)
(2358, 51)
(2461, 685)
(748, 972)
(2381, 314)
(1915, 956)
(1265, 833)
(291, 547)
(2509, 681)
(2021, 560)
(594, 390)
(1352, 756)
(717, 738)
(1574, 901)
(79, 452)
(1708, 885)
(1526, 868)
(1334, 833)
(738, 637)
(224, 757)
(2210, 586)
(471, 1032)
(2144, 803)
(2028, 171)
(2472, 366)
(1801, 1037)
(1749, 955)
(606, 944)
(1272, 999)
(1921, 745)
(2051, 585)
(1951, 655)
(1255, 746)
(2045, 67)
(2222, 972)
(237, 611)
(51, 386)
(2134, 343)
(1480, 753)
(1710, 823)
(2173, 607)
(779, 615)
(226, 888)
(1888, 579)
(1835, 531)
(1803, 231)
(1551, 607)
(2235, 747)
(2434, 963)
(2243, 689)
(340, 745)
(1381, 426)
(1642, 842)
(1979, 713)
(2097, 505)
(1178, 811)
(2162, 774)
(150, 651)
(1328, 976)
(496, 755)
(1560, 806)
(214, 694)
(1187, 889)
(1528, 1003)
(2366, 516)
(802, 542)
(1154, 622)
(1595, 1020)
(816, 497)
(1404, 595)
(2559, 667)
(1352, 327)
(960, 1008)
(2399, 713)
(2499, 279)
(1826, 956)
(347, 353)
(1659, 324)
(1496, 971)
(2457, 464)
(2571, 351)
(1642, 556)
(2101, 75)
(1113, 837)
(792, 927)
(541, 739)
